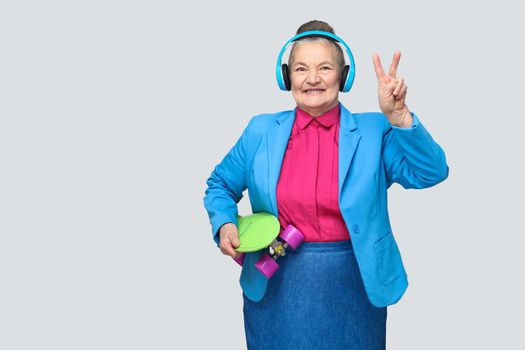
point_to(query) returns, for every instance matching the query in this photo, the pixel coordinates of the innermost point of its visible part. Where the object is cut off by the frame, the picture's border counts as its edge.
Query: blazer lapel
(278, 135)
(277, 138)
(349, 137)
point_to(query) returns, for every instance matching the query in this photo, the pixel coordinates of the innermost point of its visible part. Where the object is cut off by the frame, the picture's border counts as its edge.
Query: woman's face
(314, 77)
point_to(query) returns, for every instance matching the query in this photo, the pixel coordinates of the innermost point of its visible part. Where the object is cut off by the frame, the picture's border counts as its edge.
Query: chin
(315, 104)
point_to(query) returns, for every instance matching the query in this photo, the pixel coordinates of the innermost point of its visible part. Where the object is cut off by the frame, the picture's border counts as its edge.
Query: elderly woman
(326, 171)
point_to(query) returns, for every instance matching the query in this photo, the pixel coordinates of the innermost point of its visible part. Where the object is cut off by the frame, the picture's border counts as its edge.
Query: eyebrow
(320, 64)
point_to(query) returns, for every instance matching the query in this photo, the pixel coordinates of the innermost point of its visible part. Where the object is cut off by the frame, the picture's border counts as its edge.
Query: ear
(286, 76)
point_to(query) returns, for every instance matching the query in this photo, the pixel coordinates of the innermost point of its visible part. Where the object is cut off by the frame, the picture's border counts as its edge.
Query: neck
(315, 112)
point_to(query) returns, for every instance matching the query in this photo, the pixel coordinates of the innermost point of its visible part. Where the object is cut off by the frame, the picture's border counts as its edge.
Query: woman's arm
(225, 187)
(411, 156)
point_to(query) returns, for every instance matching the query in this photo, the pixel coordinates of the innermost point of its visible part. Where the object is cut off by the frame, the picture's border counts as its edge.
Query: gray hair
(339, 56)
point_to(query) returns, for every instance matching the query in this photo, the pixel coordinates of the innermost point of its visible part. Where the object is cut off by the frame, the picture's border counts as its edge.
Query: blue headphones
(282, 71)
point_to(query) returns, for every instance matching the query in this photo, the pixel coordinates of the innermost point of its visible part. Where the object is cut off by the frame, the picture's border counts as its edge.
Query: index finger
(377, 65)
(395, 62)
(228, 249)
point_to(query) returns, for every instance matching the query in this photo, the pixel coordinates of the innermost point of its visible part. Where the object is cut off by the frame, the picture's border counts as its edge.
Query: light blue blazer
(373, 154)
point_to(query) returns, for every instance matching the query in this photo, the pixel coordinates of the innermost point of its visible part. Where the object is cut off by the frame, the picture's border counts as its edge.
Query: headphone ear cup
(344, 76)
(286, 77)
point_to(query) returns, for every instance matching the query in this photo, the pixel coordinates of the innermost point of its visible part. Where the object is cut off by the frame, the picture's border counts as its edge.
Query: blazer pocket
(388, 259)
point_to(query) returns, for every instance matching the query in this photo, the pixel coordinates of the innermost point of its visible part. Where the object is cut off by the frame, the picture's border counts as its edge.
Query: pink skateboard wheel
(240, 259)
(266, 265)
(292, 236)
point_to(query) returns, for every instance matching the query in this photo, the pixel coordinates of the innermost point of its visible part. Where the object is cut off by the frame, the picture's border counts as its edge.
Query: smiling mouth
(313, 91)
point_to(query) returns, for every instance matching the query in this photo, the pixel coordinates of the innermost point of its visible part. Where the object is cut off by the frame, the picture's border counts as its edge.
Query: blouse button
(355, 229)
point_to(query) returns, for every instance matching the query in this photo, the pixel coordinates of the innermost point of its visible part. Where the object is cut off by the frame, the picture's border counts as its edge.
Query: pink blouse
(307, 190)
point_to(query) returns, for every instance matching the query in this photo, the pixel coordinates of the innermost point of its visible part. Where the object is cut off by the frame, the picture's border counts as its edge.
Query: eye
(326, 68)
(299, 69)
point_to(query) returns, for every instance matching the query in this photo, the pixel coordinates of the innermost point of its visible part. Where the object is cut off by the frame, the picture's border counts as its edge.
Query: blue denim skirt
(316, 300)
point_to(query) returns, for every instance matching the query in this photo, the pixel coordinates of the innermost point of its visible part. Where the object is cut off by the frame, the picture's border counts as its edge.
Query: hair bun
(315, 25)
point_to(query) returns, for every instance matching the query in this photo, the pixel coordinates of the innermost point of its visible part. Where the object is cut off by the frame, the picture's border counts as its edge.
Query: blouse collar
(326, 119)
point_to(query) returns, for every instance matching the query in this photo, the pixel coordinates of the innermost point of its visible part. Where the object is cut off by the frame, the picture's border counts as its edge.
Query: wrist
(225, 226)
(403, 119)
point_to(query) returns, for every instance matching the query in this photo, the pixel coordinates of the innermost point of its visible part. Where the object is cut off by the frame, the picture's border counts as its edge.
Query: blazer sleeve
(226, 185)
(411, 156)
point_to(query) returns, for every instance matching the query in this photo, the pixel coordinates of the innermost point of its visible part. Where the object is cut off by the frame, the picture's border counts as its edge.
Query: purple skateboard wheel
(266, 265)
(292, 236)
(240, 259)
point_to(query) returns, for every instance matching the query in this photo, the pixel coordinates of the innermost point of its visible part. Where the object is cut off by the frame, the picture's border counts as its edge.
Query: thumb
(235, 240)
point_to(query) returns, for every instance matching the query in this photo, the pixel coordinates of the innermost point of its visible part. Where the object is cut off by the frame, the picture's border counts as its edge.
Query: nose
(313, 77)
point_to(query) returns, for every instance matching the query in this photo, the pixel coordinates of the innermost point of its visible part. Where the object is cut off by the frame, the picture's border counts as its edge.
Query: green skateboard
(261, 230)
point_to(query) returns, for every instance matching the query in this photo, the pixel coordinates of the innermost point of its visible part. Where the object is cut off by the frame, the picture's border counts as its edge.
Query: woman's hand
(392, 92)
(229, 240)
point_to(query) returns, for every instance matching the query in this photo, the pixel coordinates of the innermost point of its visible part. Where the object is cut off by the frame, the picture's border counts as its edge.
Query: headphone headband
(349, 76)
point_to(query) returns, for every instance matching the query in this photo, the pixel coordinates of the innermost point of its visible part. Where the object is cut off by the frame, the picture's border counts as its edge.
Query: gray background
(114, 113)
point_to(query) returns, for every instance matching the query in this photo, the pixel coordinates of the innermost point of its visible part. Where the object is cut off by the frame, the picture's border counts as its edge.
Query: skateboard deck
(256, 231)
(262, 230)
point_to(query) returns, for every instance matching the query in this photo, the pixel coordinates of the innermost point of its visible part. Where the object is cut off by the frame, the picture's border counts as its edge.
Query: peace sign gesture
(392, 92)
